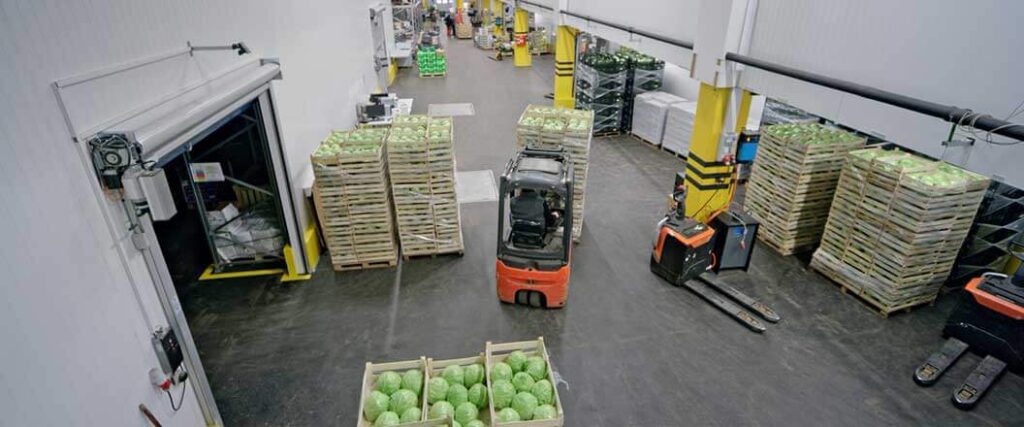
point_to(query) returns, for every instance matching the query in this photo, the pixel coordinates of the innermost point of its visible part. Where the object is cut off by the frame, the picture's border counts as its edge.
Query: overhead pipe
(949, 113)
(631, 30)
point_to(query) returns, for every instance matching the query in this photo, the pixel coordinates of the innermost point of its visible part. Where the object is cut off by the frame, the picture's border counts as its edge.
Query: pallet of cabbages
(793, 180)
(554, 128)
(421, 167)
(895, 227)
(352, 198)
(522, 385)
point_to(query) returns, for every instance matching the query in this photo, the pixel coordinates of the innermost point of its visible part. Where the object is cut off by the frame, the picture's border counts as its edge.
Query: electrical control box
(168, 351)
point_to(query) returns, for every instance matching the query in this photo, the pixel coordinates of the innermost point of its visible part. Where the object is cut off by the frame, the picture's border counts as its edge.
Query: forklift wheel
(531, 298)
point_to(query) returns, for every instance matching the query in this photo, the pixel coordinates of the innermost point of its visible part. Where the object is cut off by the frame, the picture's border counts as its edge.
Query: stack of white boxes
(679, 127)
(650, 112)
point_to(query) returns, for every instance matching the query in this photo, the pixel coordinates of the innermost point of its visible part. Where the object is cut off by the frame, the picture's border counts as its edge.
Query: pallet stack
(650, 111)
(421, 167)
(679, 127)
(352, 199)
(463, 27)
(553, 128)
(431, 62)
(791, 186)
(601, 88)
(895, 227)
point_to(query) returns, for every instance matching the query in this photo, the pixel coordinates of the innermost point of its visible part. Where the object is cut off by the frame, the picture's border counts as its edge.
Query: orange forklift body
(554, 285)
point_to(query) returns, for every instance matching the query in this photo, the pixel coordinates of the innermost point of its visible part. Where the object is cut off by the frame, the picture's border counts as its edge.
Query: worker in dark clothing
(449, 22)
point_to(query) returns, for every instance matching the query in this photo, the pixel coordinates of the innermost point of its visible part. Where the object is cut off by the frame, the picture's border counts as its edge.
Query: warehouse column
(565, 63)
(485, 5)
(520, 45)
(721, 109)
(498, 10)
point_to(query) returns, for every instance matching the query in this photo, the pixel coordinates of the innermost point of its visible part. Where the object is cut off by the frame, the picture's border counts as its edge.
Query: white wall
(76, 348)
(946, 51)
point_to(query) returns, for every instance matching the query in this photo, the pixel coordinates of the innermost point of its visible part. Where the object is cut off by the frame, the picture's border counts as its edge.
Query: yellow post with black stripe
(521, 26)
(498, 10)
(565, 65)
(710, 181)
(485, 5)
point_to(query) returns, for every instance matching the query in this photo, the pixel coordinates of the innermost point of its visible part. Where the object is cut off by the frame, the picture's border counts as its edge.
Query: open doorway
(230, 216)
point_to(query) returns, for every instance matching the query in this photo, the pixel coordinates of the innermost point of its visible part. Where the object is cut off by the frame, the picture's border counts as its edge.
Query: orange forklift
(535, 229)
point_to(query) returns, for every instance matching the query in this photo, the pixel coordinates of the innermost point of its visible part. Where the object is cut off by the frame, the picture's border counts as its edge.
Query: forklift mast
(541, 181)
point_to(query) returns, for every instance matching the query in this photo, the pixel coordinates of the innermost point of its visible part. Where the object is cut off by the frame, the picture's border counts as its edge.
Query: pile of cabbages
(521, 390)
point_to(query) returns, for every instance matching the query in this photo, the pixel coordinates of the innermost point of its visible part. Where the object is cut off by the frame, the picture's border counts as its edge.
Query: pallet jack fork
(990, 321)
(711, 290)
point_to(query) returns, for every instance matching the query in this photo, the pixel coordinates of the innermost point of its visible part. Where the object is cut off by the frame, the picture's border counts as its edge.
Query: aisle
(633, 350)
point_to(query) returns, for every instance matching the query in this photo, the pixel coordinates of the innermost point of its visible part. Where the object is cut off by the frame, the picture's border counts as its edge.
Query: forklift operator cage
(544, 171)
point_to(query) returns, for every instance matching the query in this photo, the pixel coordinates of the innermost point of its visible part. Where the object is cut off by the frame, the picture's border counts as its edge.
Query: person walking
(449, 22)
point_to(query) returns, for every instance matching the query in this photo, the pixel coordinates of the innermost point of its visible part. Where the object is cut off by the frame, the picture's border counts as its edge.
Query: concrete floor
(633, 350)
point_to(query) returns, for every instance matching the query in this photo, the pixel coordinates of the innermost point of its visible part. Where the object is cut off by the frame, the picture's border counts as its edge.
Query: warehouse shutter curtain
(166, 127)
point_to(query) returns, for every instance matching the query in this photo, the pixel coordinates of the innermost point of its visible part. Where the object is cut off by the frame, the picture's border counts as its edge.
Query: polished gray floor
(633, 350)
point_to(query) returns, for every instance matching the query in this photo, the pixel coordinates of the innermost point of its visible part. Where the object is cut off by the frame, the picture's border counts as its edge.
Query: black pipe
(631, 30)
(949, 113)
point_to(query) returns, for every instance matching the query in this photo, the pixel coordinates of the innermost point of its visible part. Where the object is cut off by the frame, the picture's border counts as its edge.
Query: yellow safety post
(426, 4)
(565, 64)
(521, 51)
(485, 5)
(498, 10)
(710, 182)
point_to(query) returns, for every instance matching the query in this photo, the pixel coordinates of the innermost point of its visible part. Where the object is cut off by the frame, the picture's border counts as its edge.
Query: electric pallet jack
(989, 320)
(684, 252)
(535, 229)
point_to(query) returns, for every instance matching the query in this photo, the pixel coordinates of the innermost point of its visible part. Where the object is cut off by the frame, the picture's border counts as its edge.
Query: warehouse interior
(248, 193)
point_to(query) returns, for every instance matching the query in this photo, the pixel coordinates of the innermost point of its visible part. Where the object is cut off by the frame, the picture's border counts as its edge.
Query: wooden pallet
(853, 289)
(886, 238)
(433, 75)
(435, 254)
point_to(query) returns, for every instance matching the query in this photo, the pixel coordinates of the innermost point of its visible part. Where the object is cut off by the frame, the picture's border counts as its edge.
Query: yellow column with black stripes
(520, 45)
(485, 5)
(498, 10)
(565, 65)
(710, 181)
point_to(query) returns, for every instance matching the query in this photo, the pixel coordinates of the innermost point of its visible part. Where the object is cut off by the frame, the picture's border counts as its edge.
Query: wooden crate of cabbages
(458, 389)
(393, 395)
(521, 385)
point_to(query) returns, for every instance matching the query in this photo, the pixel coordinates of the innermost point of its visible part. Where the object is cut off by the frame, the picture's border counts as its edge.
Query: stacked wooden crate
(553, 128)
(792, 182)
(421, 165)
(896, 225)
(352, 199)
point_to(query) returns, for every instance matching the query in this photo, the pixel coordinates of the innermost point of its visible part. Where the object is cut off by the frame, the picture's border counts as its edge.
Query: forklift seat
(528, 220)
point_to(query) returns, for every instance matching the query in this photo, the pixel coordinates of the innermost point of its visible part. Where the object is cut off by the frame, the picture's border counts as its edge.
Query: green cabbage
(478, 395)
(524, 403)
(543, 391)
(501, 372)
(412, 380)
(456, 424)
(402, 400)
(437, 390)
(501, 393)
(388, 382)
(522, 381)
(441, 409)
(454, 375)
(507, 415)
(545, 412)
(457, 394)
(411, 415)
(516, 360)
(475, 423)
(466, 412)
(536, 367)
(376, 404)
(387, 419)
(473, 374)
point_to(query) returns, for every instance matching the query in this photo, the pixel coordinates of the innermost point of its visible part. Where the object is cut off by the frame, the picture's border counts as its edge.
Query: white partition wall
(78, 302)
